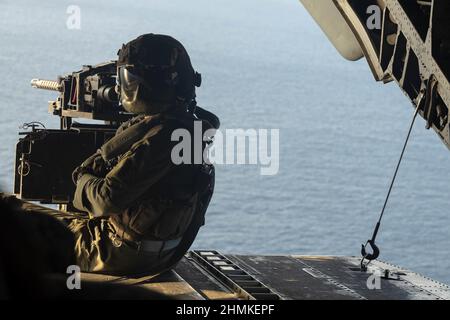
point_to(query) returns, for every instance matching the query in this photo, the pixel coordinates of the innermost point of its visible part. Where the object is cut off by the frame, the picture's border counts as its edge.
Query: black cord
(399, 162)
(32, 125)
(371, 241)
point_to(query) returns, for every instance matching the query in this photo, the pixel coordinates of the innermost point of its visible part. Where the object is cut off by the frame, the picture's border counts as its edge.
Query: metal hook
(369, 256)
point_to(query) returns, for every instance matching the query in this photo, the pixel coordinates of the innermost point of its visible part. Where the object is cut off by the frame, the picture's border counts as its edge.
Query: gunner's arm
(136, 172)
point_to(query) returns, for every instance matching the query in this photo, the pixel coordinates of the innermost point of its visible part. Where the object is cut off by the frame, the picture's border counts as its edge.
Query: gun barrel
(46, 85)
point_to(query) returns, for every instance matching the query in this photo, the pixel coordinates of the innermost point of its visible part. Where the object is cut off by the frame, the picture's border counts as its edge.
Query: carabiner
(375, 250)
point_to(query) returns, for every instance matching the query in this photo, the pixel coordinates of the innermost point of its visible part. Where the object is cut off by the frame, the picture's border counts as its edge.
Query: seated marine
(144, 210)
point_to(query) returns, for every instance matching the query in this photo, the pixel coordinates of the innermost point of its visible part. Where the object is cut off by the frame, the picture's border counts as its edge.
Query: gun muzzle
(46, 85)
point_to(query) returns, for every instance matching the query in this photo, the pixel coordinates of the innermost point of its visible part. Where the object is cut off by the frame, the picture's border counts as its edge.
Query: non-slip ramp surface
(210, 275)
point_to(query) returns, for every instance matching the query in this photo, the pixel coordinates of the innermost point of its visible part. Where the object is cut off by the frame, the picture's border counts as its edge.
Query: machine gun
(45, 158)
(89, 93)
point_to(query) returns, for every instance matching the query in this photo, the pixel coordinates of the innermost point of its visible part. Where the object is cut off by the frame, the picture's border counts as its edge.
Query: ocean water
(265, 64)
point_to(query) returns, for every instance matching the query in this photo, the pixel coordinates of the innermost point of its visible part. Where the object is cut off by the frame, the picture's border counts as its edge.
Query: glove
(94, 165)
(78, 172)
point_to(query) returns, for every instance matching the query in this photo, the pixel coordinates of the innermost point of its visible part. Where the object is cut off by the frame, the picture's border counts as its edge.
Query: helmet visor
(129, 83)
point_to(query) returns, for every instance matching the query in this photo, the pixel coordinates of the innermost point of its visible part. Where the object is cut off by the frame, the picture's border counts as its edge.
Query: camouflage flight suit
(143, 198)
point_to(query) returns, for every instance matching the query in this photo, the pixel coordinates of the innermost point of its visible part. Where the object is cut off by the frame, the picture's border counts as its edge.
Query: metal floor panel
(207, 274)
(169, 284)
(287, 277)
(205, 284)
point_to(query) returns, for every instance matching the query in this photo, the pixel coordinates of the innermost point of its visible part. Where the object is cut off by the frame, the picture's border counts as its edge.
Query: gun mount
(88, 93)
(45, 157)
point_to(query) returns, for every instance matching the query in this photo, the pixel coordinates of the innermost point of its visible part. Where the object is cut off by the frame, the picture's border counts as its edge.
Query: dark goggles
(129, 82)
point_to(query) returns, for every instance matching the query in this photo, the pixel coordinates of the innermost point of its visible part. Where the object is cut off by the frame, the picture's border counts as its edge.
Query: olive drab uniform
(144, 211)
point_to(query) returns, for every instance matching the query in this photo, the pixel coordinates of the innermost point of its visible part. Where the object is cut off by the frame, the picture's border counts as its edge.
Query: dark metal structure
(406, 41)
(411, 47)
(210, 275)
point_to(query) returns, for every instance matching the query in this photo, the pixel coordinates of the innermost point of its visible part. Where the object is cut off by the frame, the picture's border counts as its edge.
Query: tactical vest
(167, 209)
